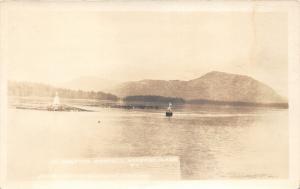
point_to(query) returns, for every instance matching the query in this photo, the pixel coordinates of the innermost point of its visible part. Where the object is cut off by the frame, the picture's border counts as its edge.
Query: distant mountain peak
(222, 74)
(216, 72)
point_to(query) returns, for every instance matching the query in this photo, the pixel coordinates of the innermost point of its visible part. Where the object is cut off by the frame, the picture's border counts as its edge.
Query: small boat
(169, 112)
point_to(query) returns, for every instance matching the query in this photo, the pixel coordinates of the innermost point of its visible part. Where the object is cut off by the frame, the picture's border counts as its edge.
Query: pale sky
(58, 46)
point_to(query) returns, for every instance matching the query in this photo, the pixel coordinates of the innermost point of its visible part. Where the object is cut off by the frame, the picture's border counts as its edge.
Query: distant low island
(213, 88)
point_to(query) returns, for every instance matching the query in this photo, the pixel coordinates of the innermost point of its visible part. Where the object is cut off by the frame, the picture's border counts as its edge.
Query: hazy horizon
(55, 47)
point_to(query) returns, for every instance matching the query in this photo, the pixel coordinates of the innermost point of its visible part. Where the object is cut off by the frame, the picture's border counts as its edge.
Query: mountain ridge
(214, 86)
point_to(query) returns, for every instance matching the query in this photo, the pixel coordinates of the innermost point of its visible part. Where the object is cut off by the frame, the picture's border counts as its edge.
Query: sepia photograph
(146, 91)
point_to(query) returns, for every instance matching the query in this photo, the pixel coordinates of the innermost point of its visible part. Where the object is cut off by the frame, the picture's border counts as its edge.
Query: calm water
(210, 142)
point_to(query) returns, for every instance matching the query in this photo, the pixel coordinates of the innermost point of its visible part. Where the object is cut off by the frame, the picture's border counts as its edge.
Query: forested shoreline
(26, 89)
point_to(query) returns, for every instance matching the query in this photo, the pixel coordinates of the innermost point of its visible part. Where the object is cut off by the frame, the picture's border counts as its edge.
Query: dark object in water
(169, 114)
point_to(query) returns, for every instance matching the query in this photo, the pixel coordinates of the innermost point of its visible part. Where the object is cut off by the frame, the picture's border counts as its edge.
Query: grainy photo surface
(108, 94)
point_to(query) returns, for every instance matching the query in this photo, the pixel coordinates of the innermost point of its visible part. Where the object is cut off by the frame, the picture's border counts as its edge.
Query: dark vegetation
(150, 98)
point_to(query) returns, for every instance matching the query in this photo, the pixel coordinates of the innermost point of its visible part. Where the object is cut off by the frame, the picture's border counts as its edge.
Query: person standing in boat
(169, 112)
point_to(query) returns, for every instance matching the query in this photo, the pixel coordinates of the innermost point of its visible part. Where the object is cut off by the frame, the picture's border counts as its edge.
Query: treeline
(150, 98)
(24, 89)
